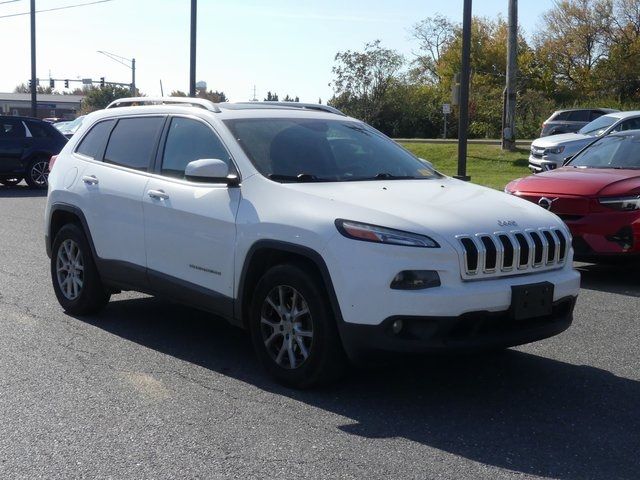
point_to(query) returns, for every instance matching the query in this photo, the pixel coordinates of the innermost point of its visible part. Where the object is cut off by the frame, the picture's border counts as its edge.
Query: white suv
(323, 238)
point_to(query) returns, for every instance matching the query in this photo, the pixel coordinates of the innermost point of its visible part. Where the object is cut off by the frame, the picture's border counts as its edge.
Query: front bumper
(472, 331)
(545, 163)
(605, 234)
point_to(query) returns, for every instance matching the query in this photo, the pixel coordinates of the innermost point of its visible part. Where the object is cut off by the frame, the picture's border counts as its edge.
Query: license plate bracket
(532, 300)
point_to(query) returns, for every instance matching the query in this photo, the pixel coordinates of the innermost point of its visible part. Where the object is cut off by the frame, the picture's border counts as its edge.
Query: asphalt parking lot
(149, 389)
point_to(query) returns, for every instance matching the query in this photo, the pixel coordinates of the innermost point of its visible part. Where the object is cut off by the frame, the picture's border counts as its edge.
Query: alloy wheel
(286, 326)
(40, 172)
(70, 269)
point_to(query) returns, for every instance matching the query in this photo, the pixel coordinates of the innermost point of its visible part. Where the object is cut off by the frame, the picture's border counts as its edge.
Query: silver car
(549, 153)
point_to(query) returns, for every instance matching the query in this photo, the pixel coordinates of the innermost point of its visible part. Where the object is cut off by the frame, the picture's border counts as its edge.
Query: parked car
(548, 153)
(69, 128)
(323, 238)
(571, 120)
(26, 145)
(597, 194)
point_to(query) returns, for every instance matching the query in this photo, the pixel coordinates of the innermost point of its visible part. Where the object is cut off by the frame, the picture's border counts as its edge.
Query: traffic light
(29, 84)
(101, 82)
(66, 84)
(52, 83)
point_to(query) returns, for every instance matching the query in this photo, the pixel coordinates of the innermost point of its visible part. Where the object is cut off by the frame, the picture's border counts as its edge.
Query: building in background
(66, 107)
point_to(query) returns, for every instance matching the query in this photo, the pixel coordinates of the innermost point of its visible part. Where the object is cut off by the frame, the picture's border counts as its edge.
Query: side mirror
(428, 163)
(209, 170)
(566, 160)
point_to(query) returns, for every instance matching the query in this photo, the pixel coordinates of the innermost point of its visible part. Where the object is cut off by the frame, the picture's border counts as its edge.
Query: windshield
(598, 126)
(307, 150)
(73, 126)
(616, 151)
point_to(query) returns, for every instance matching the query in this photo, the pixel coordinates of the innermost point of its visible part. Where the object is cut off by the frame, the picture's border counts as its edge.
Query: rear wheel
(38, 173)
(75, 278)
(293, 329)
(10, 182)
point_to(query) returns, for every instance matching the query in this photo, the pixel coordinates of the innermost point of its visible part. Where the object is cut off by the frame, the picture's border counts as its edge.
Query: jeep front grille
(512, 253)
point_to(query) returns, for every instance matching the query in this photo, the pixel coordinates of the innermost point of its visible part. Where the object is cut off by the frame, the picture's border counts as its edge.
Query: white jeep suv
(323, 238)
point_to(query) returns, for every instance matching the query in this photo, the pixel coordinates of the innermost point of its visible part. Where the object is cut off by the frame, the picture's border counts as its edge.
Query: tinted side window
(579, 116)
(190, 140)
(558, 117)
(595, 114)
(12, 129)
(132, 142)
(92, 145)
(38, 131)
(631, 124)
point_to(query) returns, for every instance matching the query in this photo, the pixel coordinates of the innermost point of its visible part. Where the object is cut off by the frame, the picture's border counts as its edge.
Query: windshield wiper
(389, 176)
(301, 178)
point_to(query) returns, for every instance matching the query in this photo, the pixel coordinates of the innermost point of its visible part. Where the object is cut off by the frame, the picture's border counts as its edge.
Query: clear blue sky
(285, 46)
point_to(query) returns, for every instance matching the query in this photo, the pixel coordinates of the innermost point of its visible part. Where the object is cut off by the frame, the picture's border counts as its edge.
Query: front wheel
(38, 173)
(293, 329)
(75, 278)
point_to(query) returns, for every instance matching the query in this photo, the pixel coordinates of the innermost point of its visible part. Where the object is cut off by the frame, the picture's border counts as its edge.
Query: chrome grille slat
(547, 245)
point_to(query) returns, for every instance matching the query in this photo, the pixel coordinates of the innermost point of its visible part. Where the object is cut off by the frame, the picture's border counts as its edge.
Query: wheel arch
(61, 215)
(265, 254)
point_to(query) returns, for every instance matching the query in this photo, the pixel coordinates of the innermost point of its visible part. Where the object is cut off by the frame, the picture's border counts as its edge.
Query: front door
(13, 143)
(190, 226)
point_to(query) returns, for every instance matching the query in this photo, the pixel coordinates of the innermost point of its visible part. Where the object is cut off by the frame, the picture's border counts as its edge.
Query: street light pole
(509, 109)
(127, 63)
(133, 77)
(34, 87)
(192, 64)
(463, 121)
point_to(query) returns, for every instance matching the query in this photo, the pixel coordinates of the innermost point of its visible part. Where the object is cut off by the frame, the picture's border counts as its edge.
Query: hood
(442, 206)
(562, 139)
(587, 182)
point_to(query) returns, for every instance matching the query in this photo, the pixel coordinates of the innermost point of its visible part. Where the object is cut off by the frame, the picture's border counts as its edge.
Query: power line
(54, 9)
(9, 1)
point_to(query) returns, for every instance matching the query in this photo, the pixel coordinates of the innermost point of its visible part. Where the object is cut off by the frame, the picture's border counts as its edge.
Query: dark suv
(26, 145)
(572, 120)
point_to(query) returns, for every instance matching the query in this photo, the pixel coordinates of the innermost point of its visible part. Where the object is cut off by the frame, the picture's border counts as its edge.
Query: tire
(10, 182)
(83, 293)
(38, 173)
(313, 352)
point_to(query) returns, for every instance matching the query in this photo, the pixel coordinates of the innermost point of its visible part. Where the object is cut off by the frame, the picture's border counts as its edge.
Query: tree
(271, 97)
(24, 88)
(362, 79)
(97, 98)
(433, 34)
(574, 40)
(214, 96)
(287, 98)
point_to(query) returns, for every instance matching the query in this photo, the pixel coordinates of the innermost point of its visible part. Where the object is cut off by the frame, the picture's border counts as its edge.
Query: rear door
(13, 143)
(190, 226)
(112, 185)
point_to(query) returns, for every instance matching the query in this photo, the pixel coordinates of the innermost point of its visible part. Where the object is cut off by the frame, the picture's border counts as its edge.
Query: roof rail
(139, 101)
(304, 106)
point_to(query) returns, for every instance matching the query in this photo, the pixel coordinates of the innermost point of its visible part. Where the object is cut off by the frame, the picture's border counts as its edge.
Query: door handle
(158, 194)
(90, 179)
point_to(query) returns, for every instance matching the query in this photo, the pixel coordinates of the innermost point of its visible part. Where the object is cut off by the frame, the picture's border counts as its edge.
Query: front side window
(189, 140)
(615, 151)
(579, 116)
(303, 149)
(631, 124)
(133, 141)
(93, 143)
(37, 130)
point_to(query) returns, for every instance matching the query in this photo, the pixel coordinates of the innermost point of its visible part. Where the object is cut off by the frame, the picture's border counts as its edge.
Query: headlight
(554, 150)
(622, 203)
(374, 233)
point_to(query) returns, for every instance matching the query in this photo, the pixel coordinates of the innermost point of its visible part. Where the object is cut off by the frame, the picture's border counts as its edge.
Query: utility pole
(34, 87)
(509, 110)
(463, 121)
(192, 67)
(133, 77)
(127, 63)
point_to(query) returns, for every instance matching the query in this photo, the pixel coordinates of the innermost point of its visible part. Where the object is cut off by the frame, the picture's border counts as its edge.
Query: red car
(597, 194)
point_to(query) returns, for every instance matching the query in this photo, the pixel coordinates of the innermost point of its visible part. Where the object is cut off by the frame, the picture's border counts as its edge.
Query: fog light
(415, 280)
(396, 326)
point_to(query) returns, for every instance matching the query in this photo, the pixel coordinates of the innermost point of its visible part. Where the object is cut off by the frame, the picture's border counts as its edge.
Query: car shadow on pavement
(622, 279)
(20, 191)
(512, 410)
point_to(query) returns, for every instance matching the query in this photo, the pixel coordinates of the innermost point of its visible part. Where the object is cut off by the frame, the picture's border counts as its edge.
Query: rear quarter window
(579, 116)
(559, 117)
(133, 141)
(93, 143)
